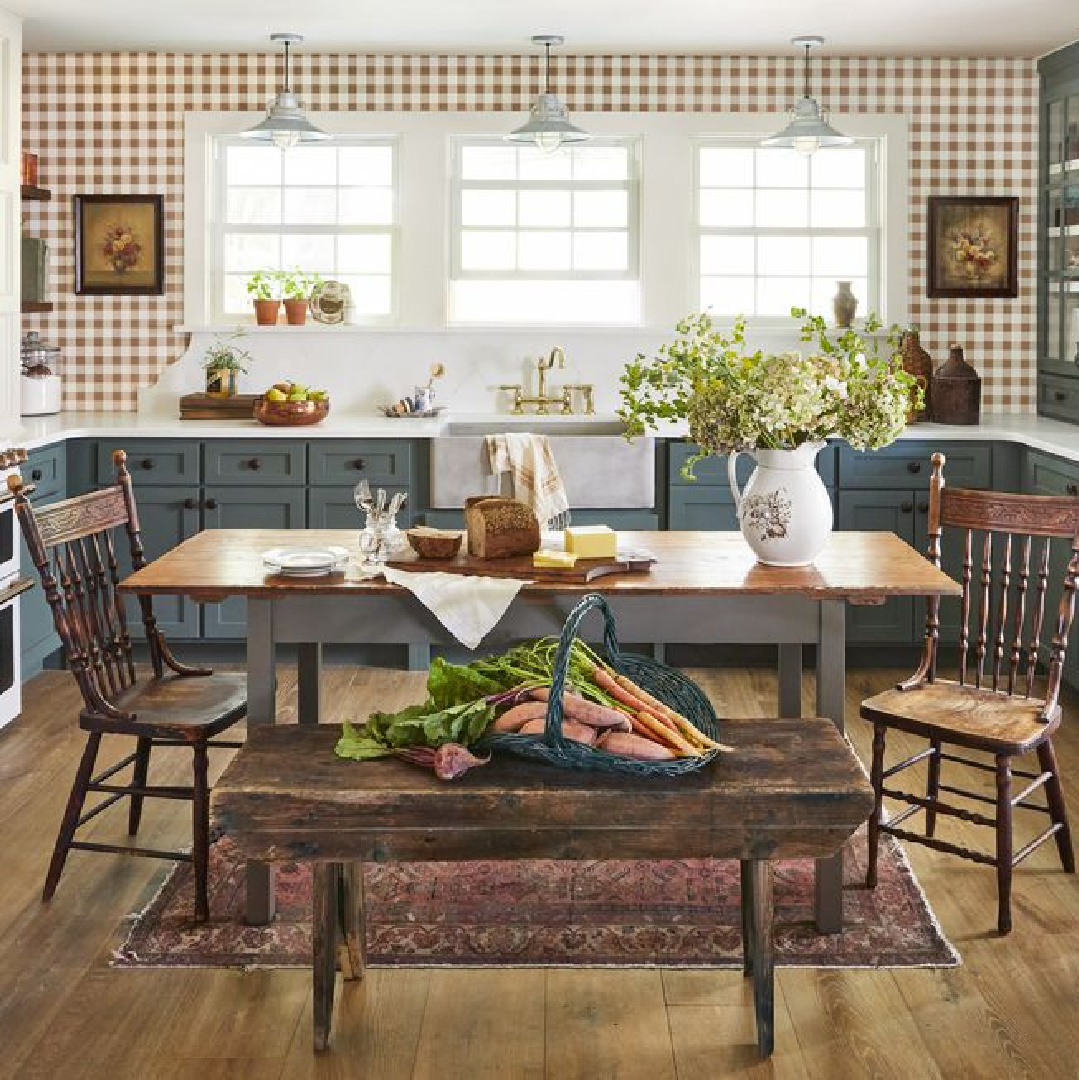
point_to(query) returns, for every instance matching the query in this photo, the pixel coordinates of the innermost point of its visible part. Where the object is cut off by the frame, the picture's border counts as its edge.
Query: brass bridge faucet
(543, 399)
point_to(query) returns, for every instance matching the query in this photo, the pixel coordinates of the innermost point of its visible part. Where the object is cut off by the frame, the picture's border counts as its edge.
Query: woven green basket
(671, 687)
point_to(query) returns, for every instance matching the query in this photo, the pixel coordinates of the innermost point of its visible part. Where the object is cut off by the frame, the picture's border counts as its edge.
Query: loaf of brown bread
(498, 528)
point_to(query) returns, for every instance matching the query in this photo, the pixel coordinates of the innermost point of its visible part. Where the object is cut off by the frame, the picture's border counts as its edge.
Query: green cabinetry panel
(150, 461)
(254, 462)
(381, 462)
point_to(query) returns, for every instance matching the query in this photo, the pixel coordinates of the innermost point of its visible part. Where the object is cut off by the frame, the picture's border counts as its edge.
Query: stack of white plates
(305, 561)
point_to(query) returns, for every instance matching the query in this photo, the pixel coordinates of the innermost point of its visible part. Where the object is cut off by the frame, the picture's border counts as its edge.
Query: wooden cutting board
(520, 566)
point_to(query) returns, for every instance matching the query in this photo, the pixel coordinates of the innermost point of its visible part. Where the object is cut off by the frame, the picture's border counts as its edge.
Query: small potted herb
(222, 363)
(295, 288)
(263, 286)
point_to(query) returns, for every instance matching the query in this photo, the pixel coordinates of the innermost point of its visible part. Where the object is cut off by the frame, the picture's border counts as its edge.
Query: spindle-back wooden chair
(72, 544)
(992, 706)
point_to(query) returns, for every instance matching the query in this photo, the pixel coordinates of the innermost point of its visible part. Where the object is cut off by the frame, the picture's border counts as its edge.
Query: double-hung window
(777, 230)
(331, 210)
(544, 238)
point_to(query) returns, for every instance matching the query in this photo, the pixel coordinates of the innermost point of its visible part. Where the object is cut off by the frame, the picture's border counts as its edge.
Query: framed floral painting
(972, 246)
(119, 245)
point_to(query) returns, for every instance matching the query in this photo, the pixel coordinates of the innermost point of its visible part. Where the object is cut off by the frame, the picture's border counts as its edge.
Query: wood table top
(854, 565)
(286, 794)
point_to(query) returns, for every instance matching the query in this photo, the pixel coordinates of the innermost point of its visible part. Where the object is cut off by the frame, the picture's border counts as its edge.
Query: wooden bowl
(434, 543)
(290, 413)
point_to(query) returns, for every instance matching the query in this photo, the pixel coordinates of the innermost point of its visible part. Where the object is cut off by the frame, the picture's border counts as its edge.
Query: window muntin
(327, 209)
(544, 238)
(776, 229)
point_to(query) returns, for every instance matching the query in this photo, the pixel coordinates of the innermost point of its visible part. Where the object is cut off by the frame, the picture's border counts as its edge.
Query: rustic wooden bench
(792, 789)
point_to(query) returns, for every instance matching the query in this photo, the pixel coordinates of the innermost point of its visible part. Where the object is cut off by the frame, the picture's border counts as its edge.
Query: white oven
(11, 586)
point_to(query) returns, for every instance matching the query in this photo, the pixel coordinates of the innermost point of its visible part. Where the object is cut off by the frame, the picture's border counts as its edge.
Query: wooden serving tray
(520, 566)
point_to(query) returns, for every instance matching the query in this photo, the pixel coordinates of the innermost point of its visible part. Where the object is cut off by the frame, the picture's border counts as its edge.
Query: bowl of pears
(290, 404)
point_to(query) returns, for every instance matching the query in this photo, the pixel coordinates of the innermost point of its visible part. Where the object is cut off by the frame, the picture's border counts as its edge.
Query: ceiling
(912, 28)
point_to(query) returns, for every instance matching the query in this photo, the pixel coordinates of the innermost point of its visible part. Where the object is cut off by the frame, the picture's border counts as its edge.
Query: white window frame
(215, 272)
(631, 186)
(873, 231)
(668, 238)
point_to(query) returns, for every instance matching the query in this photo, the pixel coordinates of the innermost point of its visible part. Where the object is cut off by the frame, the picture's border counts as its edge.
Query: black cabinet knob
(146, 463)
(254, 464)
(190, 504)
(35, 475)
(923, 508)
(1072, 489)
(1060, 395)
(211, 504)
(359, 464)
(906, 507)
(914, 466)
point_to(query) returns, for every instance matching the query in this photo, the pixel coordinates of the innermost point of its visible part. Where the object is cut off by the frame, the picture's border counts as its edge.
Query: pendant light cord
(805, 69)
(547, 69)
(288, 80)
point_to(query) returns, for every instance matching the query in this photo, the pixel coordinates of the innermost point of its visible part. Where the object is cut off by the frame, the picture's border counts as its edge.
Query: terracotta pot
(267, 312)
(295, 312)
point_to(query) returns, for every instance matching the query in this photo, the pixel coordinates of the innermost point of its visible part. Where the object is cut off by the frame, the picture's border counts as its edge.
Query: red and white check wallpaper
(113, 123)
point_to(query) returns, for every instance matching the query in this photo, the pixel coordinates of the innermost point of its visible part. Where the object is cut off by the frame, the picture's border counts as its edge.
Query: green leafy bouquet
(735, 399)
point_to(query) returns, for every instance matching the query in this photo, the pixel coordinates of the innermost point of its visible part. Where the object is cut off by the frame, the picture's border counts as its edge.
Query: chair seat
(980, 719)
(191, 707)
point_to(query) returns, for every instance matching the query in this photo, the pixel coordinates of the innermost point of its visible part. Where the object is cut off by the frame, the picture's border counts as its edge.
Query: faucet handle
(518, 393)
(587, 392)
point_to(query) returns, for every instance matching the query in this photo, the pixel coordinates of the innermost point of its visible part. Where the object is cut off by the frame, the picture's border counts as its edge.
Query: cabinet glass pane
(1055, 226)
(1071, 321)
(1070, 147)
(1052, 321)
(1054, 142)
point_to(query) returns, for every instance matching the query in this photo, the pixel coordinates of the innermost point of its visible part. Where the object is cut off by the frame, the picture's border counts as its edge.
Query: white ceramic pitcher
(784, 512)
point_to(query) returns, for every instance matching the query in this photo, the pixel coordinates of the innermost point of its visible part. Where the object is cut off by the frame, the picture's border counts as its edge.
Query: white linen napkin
(528, 458)
(468, 606)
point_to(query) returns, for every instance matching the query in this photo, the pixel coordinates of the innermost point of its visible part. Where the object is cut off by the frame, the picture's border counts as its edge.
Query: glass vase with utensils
(380, 537)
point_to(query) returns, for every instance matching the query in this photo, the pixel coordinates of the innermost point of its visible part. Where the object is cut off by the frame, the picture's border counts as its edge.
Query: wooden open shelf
(31, 193)
(36, 307)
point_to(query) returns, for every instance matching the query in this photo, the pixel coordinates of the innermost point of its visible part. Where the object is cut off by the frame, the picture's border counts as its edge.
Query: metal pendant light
(548, 125)
(285, 124)
(808, 130)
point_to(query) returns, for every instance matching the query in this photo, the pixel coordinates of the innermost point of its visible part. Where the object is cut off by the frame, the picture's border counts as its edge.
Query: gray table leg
(831, 702)
(309, 683)
(261, 709)
(790, 679)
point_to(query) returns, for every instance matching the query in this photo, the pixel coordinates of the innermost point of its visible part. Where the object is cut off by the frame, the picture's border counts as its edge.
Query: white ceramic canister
(784, 511)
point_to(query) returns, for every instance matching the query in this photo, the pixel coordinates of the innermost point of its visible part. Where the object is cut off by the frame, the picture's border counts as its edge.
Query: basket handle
(553, 732)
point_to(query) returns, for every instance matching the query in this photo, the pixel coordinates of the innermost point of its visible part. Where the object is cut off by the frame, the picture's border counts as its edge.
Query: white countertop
(1052, 436)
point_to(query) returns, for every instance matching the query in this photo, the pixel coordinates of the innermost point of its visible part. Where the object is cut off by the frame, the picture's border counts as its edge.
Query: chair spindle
(964, 612)
(982, 645)
(1020, 613)
(1039, 618)
(1002, 611)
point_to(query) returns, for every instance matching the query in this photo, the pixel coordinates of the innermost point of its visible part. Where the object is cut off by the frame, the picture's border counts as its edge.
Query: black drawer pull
(914, 466)
(923, 508)
(906, 507)
(146, 463)
(1060, 395)
(190, 504)
(1072, 489)
(254, 464)
(359, 464)
(35, 475)
(211, 504)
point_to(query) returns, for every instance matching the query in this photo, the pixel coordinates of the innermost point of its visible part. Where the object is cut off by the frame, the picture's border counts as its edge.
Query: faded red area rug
(671, 913)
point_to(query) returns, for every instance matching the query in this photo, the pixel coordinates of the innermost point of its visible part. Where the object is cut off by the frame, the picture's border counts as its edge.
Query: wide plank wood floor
(1012, 1009)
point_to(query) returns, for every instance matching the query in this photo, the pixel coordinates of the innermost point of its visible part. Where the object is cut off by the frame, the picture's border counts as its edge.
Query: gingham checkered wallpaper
(114, 123)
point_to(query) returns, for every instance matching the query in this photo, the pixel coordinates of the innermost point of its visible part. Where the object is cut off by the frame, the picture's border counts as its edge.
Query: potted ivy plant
(295, 288)
(263, 286)
(222, 363)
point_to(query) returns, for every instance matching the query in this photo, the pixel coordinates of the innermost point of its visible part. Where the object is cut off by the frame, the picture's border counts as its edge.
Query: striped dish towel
(528, 459)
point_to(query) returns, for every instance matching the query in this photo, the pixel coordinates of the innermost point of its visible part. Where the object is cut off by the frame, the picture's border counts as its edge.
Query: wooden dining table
(704, 588)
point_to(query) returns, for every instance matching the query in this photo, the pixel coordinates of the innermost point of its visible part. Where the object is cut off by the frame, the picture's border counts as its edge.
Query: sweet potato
(575, 707)
(512, 719)
(633, 746)
(581, 733)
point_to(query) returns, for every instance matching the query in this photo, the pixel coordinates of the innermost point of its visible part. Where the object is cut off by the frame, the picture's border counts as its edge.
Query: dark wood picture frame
(143, 277)
(992, 216)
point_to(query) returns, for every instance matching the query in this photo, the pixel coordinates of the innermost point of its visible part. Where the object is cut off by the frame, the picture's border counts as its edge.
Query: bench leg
(350, 913)
(759, 877)
(746, 890)
(324, 948)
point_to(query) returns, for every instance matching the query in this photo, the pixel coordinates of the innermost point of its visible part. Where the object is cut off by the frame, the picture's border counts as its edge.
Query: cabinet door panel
(906, 464)
(701, 507)
(880, 511)
(255, 462)
(150, 461)
(46, 468)
(380, 461)
(167, 516)
(237, 508)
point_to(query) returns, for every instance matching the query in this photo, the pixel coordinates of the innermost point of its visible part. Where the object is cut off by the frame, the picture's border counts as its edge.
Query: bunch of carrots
(632, 722)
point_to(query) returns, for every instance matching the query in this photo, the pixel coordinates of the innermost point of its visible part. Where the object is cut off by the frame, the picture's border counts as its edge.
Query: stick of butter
(561, 559)
(592, 541)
